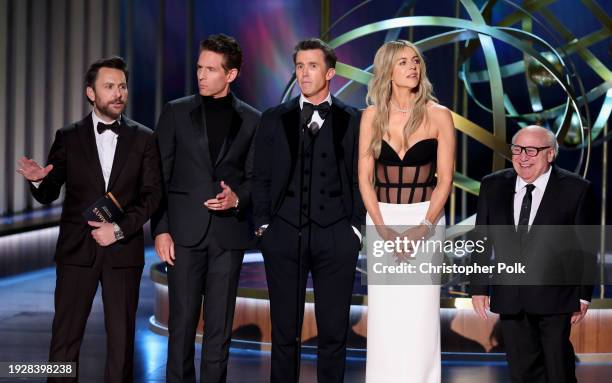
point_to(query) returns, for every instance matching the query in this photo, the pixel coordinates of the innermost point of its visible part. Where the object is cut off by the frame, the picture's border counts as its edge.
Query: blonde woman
(406, 164)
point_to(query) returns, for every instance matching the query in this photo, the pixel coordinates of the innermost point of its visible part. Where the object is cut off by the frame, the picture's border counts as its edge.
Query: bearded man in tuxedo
(104, 152)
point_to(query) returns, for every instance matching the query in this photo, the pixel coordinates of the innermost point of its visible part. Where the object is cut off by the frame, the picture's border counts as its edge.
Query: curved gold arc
(496, 86)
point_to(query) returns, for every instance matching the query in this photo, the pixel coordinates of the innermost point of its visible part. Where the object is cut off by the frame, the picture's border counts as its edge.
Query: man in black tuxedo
(535, 195)
(206, 145)
(104, 152)
(324, 181)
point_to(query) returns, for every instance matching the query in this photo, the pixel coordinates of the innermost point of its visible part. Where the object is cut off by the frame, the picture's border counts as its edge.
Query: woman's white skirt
(403, 339)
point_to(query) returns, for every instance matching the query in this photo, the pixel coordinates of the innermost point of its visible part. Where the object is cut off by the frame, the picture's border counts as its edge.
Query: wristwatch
(259, 232)
(118, 233)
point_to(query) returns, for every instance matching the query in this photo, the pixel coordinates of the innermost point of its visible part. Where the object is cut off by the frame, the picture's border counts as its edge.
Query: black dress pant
(75, 290)
(331, 260)
(538, 348)
(210, 270)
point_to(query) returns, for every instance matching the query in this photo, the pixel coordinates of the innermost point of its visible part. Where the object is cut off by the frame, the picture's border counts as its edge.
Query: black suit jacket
(277, 144)
(135, 181)
(566, 204)
(191, 177)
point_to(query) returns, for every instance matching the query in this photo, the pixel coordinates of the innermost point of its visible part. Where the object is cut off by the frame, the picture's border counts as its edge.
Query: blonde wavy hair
(379, 93)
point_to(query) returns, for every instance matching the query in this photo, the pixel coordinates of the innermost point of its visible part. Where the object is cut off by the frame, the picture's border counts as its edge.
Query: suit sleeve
(262, 172)
(150, 193)
(588, 232)
(165, 141)
(244, 190)
(50, 187)
(479, 282)
(359, 211)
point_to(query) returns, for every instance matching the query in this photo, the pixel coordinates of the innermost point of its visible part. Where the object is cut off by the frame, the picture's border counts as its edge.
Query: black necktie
(114, 127)
(308, 109)
(523, 222)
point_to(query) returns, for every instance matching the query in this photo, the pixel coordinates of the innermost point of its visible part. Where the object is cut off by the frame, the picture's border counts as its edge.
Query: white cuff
(585, 302)
(357, 233)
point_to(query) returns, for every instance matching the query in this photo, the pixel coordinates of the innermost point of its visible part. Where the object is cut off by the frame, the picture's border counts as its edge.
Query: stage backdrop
(45, 47)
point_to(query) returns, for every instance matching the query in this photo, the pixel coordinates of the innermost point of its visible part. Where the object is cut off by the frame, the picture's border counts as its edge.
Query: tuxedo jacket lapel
(122, 151)
(506, 208)
(198, 123)
(233, 131)
(92, 159)
(291, 126)
(339, 123)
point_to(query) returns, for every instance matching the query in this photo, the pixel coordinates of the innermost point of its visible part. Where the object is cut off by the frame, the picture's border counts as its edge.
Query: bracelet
(430, 226)
(118, 232)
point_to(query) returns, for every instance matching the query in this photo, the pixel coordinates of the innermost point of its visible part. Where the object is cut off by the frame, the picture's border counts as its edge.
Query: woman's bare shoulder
(438, 113)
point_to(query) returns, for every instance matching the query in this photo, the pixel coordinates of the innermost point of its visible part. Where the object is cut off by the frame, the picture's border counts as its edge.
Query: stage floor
(26, 313)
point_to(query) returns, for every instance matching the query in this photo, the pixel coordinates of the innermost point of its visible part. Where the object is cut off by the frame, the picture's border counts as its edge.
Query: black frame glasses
(531, 151)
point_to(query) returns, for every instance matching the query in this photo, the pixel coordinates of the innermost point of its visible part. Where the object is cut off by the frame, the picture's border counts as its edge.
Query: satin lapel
(340, 124)
(506, 209)
(198, 122)
(122, 151)
(235, 126)
(291, 125)
(88, 144)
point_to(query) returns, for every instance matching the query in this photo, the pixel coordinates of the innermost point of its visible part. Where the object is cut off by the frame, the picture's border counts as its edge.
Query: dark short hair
(314, 43)
(114, 62)
(227, 46)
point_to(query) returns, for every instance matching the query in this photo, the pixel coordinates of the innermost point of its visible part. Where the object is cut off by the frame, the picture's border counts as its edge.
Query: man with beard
(104, 152)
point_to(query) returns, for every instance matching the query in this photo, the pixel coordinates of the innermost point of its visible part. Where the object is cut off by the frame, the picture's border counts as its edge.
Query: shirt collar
(97, 119)
(540, 182)
(304, 99)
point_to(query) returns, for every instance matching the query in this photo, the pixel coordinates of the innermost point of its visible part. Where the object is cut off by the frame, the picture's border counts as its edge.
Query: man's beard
(108, 112)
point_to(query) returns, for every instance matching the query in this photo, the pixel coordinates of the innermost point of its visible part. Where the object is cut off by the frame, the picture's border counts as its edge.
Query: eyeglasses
(531, 151)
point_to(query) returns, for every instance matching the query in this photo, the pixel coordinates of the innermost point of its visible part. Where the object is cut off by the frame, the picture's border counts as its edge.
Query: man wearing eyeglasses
(535, 320)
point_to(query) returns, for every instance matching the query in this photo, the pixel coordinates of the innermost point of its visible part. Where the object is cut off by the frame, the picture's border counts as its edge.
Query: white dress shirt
(536, 198)
(106, 144)
(536, 195)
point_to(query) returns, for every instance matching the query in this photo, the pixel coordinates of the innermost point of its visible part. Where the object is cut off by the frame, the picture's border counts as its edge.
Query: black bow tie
(114, 127)
(308, 109)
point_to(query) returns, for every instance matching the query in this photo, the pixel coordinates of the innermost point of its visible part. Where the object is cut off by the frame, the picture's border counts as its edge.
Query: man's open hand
(31, 170)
